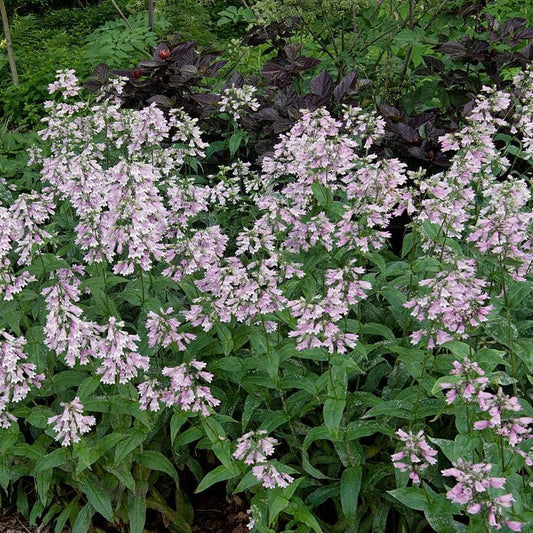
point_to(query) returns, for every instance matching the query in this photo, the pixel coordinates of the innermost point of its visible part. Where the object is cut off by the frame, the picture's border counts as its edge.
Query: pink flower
(70, 424)
(271, 477)
(415, 456)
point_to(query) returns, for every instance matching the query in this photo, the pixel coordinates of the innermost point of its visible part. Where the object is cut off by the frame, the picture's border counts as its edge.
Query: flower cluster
(254, 448)
(185, 390)
(17, 376)
(163, 329)
(469, 381)
(66, 331)
(473, 491)
(71, 423)
(237, 100)
(118, 352)
(470, 384)
(455, 304)
(416, 454)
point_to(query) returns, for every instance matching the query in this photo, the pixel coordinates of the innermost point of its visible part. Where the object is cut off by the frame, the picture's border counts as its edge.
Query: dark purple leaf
(160, 99)
(292, 51)
(406, 132)
(151, 64)
(434, 64)
(344, 86)
(306, 63)
(527, 33)
(101, 72)
(453, 49)
(189, 71)
(419, 153)
(123, 72)
(321, 85)
(390, 112)
(206, 99)
(527, 52)
(267, 113)
(511, 25)
(282, 125)
(182, 49)
(235, 80)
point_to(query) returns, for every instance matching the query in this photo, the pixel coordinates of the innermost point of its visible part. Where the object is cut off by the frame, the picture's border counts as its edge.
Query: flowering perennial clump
(139, 262)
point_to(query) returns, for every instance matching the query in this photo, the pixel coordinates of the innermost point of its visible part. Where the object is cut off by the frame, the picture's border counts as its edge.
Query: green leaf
(98, 497)
(83, 520)
(220, 473)
(300, 511)
(65, 514)
(188, 436)
(235, 141)
(56, 458)
(333, 410)
(137, 513)
(176, 423)
(154, 460)
(365, 428)
(350, 487)
(248, 481)
(412, 497)
(134, 440)
(224, 335)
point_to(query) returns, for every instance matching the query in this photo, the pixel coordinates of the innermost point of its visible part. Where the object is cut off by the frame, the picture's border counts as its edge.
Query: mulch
(212, 514)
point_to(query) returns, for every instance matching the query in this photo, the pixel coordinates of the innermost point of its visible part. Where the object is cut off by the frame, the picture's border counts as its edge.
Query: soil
(212, 513)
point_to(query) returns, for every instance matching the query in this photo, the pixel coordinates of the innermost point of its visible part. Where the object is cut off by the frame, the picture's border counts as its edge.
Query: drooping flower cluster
(17, 376)
(416, 454)
(253, 448)
(66, 331)
(66, 83)
(473, 490)
(455, 303)
(504, 226)
(119, 355)
(163, 329)
(470, 380)
(22, 235)
(238, 100)
(71, 423)
(185, 390)
(470, 384)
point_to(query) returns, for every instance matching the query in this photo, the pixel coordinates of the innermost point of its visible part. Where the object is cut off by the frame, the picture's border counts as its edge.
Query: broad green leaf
(137, 513)
(412, 497)
(58, 457)
(224, 336)
(300, 511)
(220, 473)
(98, 497)
(333, 410)
(365, 428)
(154, 460)
(176, 423)
(126, 446)
(65, 514)
(350, 487)
(84, 519)
(188, 436)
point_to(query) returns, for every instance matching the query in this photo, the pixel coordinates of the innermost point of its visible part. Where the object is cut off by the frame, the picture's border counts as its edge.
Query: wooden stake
(9, 44)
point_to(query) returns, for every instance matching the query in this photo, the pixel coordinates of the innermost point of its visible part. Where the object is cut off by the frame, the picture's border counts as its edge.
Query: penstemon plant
(156, 319)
